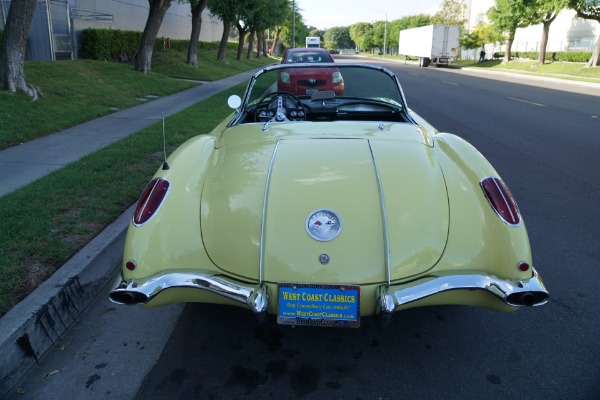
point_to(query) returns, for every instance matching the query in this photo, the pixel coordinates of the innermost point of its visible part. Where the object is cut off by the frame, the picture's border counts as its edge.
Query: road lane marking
(451, 83)
(528, 102)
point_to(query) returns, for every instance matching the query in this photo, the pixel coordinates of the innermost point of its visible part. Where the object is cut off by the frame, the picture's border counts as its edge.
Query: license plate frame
(329, 305)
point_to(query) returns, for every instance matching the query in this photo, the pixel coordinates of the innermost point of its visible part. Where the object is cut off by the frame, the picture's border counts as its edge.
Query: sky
(329, 13)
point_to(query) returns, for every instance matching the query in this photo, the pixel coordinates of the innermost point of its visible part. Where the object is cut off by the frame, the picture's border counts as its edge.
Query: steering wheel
(280, 107)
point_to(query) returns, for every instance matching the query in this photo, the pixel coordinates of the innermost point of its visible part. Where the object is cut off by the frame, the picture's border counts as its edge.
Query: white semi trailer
(432, 43)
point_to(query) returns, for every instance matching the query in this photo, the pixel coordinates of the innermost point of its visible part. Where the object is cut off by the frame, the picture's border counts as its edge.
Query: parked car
(309, 80)
(321, 209)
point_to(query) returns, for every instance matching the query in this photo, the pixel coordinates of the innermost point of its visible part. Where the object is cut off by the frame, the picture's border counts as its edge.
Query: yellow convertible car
(322, 208)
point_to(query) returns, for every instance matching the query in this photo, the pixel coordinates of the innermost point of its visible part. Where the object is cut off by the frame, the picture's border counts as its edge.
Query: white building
(567, 32)
(57, 24)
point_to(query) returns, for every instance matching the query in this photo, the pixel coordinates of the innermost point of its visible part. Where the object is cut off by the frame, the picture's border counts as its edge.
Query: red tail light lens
(501, 200)
(150, 201)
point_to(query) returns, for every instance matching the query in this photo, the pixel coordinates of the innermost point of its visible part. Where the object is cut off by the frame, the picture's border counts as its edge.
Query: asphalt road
(544, 140)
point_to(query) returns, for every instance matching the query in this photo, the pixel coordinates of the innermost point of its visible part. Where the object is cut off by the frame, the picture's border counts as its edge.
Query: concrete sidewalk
(23, 164)
(38, 322)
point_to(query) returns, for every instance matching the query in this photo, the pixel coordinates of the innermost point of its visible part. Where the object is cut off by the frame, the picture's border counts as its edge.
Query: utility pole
(293, 23)
(384, 32)
(385, 35)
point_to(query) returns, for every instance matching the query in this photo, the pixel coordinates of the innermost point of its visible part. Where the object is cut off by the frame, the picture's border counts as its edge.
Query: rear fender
(168, 239)
(478, 239)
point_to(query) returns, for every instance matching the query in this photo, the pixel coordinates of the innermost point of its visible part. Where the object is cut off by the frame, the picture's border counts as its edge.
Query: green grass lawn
(45, 223)
(79, 90)
(562, 70)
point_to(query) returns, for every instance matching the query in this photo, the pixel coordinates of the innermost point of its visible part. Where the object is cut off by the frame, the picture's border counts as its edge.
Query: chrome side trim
(144, 290)
(383, 217)
(264, 215)
(530, 292)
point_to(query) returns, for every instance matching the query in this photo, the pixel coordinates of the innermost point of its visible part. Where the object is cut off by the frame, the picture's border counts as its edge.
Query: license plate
(311, 91)
(319, 305)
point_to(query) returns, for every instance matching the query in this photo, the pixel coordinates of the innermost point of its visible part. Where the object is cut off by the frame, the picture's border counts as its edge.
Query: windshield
(326, 81)
(322, 92)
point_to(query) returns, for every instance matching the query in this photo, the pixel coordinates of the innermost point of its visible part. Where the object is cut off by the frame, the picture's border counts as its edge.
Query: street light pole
(384, 32)
(385, 35)
(293, 23)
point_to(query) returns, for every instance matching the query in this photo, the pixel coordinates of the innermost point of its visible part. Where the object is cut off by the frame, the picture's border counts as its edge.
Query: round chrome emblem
(323, 225)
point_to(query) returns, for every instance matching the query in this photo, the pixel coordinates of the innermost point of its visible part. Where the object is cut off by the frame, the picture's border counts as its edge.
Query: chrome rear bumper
(141, 292)
(530, 292)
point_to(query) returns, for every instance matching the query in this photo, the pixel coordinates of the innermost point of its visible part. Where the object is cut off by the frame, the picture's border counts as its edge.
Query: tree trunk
(158, 9)
(595, 59)
(242, 32)
(223, 45)
(192, 56)
(14, 46)
(509, 43)
(274, 49)
(259, 44)
(251, 44)
(265, 46)
(544, 43)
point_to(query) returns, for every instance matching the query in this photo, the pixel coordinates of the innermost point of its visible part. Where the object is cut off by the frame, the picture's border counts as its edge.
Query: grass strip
(562, 70)
(77, 91)
(47, 222)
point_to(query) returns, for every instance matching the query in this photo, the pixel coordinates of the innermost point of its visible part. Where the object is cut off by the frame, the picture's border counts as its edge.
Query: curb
(38, 322)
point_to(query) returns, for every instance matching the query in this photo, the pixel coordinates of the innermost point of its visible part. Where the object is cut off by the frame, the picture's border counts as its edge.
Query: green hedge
(572, 56)
(109, 44)
(118, 45)
(567, 56)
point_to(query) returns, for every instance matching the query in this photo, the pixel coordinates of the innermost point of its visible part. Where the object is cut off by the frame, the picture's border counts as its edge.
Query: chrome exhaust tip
(527, 299)
(127, 297)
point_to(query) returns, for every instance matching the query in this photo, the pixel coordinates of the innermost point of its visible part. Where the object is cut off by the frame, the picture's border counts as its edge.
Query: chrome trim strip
(144, 290)
(264, 215)
(508, 291)
(384, 218)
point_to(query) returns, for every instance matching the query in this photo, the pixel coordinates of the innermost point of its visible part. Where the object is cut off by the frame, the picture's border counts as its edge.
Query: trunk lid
(341, 175)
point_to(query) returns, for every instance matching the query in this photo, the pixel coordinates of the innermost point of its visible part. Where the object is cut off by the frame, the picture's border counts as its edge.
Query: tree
(301, 30)
(508, 15)
(361, 34)
(158, 9)
(338, 38)
(546, 13)
(227, 12)
(589, 9)
(13, 47)
(481, 34)
(268, 14)
(285, 16)
(242, 32)
(197, 7)
(452, 12)
(379, 30)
